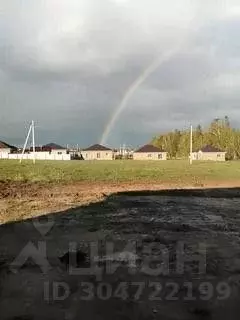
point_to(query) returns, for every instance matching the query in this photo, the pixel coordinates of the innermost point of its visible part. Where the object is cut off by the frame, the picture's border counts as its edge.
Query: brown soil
(20, 201)
(206, 221)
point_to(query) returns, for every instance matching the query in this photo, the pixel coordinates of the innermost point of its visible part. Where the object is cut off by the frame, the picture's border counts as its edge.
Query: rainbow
(183, 40)
(133, 87)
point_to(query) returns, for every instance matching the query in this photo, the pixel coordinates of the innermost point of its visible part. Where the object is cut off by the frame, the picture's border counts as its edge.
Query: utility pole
(31, 129)
(191, 144)
(33, 141)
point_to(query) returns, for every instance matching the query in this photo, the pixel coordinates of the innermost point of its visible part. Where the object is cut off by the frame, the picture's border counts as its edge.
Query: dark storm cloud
(67, 64)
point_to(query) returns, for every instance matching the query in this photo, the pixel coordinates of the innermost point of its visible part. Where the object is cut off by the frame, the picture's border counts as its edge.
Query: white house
(209, 153)
(6, 149)
(97, 152)
(149, 152)
(54, 148)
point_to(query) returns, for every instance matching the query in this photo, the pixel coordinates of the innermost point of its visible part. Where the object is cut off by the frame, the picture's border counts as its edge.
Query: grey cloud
(183, 70)
(222, 37)
(67, 64)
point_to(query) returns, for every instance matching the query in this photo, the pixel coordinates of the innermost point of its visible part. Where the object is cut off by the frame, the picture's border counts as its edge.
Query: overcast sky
(67, 64)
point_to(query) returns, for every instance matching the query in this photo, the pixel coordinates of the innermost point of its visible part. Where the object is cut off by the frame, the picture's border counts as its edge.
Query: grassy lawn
(114, 171)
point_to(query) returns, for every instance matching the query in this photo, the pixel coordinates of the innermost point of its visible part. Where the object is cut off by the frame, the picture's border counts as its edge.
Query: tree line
(219, 134)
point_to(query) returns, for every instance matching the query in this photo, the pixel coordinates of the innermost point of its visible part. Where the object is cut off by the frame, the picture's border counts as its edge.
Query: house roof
(209, 148)
(53, 146)
(4, 145)
(97, 147)
(149, 148)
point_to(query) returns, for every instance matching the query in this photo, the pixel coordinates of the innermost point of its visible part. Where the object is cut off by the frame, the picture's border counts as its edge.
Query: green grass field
(114, 171)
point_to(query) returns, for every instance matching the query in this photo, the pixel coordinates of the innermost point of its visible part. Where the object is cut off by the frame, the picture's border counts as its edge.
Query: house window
(218, 155)
(106, 154)
(159, 156)
(98, 155)
(59, 153)
(149, 155)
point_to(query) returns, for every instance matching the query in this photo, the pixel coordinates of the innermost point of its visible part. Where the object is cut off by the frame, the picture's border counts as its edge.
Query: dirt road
(20, 201)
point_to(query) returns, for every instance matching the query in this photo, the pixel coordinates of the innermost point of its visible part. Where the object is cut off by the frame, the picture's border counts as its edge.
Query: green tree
(219, 134)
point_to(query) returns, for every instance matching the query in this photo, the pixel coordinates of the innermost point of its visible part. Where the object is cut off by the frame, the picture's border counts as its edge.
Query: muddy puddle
(161, 255)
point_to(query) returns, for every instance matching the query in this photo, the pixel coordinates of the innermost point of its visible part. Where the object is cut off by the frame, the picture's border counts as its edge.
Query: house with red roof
(97, 152)
(54, 148)
(149, 152)
(209, 153)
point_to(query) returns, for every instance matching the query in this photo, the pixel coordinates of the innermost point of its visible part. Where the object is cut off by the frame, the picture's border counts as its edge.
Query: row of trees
(219, 134)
